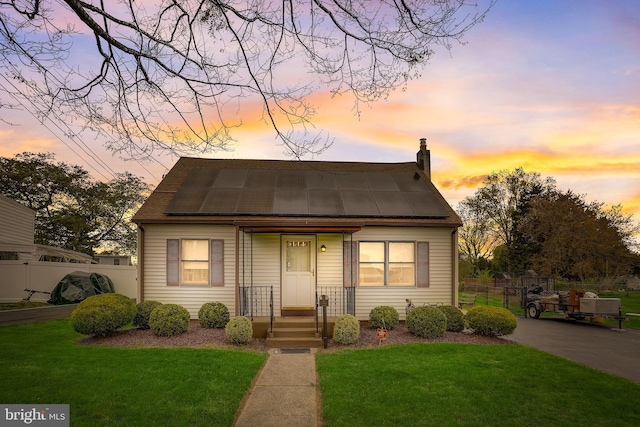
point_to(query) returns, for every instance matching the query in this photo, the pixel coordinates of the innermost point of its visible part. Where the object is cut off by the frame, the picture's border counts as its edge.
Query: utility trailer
(574, 304)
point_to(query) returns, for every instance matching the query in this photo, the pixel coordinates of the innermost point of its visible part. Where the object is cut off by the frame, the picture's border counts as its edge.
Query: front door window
(298, 255)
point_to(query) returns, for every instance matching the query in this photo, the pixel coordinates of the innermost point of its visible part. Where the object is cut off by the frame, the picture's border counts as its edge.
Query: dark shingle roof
(222, 190)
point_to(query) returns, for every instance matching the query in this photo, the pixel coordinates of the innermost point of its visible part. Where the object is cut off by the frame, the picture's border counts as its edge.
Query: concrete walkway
(284, 394)
(596, 345)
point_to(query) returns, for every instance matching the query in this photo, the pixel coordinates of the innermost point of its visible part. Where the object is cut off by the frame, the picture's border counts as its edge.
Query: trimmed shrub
(103, 314)
(427, 322)
(213, 315)
(143, 311)
(455, 318)
(239, 330)
(384, 316)
(487, 320)
(168, 320)
(346, 330)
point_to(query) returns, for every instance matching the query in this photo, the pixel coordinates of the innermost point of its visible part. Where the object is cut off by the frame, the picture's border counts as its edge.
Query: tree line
(518, 221)
(74, 211)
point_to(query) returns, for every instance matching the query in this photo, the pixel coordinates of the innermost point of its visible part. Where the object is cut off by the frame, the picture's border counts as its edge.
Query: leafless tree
(476, 239)
(175, 74)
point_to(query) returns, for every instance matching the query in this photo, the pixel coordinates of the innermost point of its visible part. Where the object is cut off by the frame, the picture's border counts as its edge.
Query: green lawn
(21, 304)
(630, 304)
(454, 384)
(42, 363)
(409, 385)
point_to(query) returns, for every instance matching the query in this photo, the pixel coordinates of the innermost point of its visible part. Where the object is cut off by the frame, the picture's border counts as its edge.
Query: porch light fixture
(323, 248)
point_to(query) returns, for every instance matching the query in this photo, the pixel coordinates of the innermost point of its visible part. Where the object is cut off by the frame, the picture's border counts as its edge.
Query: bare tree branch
(173, 75)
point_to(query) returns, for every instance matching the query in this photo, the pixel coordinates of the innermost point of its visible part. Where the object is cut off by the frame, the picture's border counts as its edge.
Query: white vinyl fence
(16, 276)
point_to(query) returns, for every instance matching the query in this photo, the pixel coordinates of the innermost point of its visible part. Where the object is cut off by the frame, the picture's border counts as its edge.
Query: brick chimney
(423, 158)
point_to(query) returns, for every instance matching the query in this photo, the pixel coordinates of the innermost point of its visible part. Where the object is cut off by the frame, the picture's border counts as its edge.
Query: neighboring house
(25, 265)
(17, 225)
(256, 234)
(17, 229)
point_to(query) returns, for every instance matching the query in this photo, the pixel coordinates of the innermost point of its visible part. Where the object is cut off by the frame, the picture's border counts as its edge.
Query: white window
(195, 262)
(387, 264)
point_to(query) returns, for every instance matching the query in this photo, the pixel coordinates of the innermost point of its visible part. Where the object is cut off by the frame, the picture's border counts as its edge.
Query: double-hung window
(387, 264)
(195, 262)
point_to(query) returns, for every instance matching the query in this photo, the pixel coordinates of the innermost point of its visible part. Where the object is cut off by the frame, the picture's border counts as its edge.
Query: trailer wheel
(533, 311)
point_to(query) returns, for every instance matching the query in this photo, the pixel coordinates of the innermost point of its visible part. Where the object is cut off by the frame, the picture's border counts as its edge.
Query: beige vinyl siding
(190, 297)
(440, 280)
(330, 262)
(262, 254)
(17, 222)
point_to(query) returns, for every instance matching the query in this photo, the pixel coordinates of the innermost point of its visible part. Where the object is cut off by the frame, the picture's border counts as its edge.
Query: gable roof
(229, 191)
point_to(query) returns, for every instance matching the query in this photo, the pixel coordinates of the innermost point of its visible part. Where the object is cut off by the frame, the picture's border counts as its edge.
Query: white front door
(298, 272)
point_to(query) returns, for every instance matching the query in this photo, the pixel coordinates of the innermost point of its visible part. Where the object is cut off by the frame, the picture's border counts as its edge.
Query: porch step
(294, 342)
(294, 332)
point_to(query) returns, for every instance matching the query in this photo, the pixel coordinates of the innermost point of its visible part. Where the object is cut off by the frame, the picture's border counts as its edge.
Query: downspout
(237, 285)
(140, 293)
(454, 267)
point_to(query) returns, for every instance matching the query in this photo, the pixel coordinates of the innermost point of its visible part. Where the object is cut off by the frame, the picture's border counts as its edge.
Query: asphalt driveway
(604, 348)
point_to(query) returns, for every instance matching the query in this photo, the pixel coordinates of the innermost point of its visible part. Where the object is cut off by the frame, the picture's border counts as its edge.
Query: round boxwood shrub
(213, 315)
(487, 320)
(346, 329)
(455, 318)
(143, 311)
(239, 330)
(427, 322)
(384, 316)
(168, 320)
(103, 314)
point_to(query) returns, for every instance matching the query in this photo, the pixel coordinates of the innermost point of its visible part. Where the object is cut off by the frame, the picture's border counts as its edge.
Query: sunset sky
(552, 86)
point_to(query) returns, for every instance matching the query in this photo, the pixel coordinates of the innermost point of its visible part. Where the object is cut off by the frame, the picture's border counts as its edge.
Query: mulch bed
(197, 336)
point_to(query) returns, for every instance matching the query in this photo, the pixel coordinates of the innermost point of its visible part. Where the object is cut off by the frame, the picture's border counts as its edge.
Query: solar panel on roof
(201, 177)
(322, 180)
(380, 181)
(258, 178)
(255, 201)
(352, 181)
(409, 181)
(392, 203)
(291, 202)
(231, 178)
(295, 192)
(187, 200)
(292, 179)
(221, 200)
(325, 202)
(425, 204)
(359, 203)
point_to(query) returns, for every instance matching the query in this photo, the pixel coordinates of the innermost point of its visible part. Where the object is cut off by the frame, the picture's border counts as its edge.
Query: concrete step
(291, 342)
(294, 332)
(294, 323)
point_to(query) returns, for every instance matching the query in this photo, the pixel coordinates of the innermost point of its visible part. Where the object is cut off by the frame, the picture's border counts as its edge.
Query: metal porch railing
(341, 301)
(257, 301)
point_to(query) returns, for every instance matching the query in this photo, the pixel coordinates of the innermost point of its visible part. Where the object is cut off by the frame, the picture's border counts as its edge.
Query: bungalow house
(270, 237)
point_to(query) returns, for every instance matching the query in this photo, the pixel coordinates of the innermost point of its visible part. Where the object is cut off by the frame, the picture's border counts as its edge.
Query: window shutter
(173, 262)
(350, 270)
(217, 263)
(422, 264)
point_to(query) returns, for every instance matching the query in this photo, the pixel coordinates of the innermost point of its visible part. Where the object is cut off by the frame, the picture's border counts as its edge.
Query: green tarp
(77, 286)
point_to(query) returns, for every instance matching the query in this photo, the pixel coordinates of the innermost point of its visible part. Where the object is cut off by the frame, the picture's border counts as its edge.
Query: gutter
(140, 263)
(454, 267)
